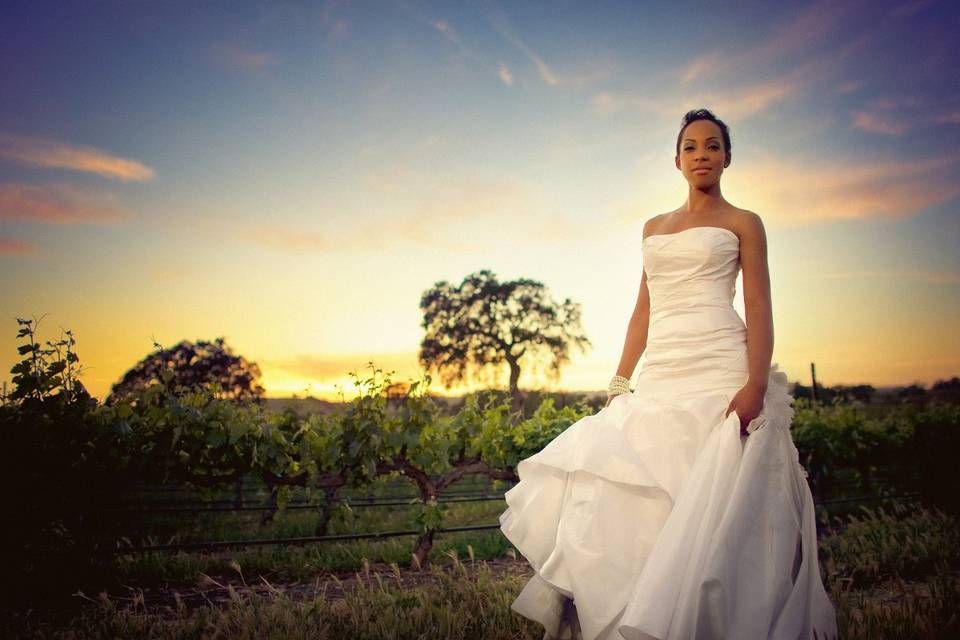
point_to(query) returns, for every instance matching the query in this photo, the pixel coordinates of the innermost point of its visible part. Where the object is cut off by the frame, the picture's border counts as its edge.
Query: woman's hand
(748, 402)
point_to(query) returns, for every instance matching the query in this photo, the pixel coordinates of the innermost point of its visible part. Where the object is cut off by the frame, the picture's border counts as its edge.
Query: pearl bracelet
(618, 385)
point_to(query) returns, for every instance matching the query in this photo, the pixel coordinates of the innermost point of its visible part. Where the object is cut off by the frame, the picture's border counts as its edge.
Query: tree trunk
(515, 394)
(326, 510)
(238, 492)
(424, 544)
(267, 516)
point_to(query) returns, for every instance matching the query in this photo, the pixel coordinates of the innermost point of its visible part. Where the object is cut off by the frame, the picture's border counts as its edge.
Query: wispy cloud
(50, 154)
(787, 57)
(337, 27)
(817, 45)
(501, 71)
(606, 103)
(468, 215)
(59, 203)
(338, 30)
(752, 99)
(243, 59)
(814, 51)
(14, 247)
(465, 216)
(878, 123)
(896, 115)
(505, 74)
(849, 86)
(290, 240)
(731, 104)
(595, 71)
(832, 190)
(702, 66)
(929, 277)
(450, 34)
(796, 54)
(810, 27)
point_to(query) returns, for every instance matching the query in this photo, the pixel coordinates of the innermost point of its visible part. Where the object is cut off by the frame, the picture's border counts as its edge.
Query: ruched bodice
(695, 335)
(698, 264)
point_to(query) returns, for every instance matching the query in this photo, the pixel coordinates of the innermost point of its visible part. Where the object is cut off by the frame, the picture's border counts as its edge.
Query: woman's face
(702, 156)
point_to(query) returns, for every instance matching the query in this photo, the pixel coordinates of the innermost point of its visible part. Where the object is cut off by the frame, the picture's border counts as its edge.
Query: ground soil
(215, 589)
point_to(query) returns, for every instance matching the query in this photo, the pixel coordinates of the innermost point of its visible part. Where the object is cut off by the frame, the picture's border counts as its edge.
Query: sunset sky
(293, 176)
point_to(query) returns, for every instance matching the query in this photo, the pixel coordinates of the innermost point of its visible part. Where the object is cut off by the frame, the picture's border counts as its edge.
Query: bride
(680, 510)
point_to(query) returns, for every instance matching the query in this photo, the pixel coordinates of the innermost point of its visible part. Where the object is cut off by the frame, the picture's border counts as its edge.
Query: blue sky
(293, 176)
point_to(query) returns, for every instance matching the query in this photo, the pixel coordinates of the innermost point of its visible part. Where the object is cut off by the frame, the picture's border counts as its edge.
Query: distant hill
(943, 390)
(326, 407)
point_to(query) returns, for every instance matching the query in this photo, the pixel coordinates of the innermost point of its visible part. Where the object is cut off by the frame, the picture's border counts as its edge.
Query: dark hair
(704, 114)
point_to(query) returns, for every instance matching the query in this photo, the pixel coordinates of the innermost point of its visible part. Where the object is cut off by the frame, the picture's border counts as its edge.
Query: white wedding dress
(654, 518)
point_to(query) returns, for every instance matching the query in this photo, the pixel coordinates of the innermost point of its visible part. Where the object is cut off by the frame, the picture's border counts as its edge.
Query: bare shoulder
(653, 224)
(753, 239)
(748, 225)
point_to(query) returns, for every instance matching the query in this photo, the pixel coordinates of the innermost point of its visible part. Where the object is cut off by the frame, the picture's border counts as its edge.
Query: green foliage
(165, 432)
(60, 468)
(428, 514)
(483, 432)
(935, 448)
(68, 457)
(492, 435)
(291, 445)
(425, 439)
(546, 423)
(186, 436)
(901, 449)
(362, 429)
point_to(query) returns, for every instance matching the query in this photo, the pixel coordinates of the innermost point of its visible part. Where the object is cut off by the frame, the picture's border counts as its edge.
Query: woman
(680, 510)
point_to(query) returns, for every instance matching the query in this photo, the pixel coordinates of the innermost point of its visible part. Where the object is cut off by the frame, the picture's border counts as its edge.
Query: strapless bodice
(694, 329)
(699, 265)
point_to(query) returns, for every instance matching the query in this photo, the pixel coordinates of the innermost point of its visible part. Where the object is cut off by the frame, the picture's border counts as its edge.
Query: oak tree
(485, 323)
(194, 366)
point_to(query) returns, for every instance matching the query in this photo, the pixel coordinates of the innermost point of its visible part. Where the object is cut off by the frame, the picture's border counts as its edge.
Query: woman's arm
(756, 299)
(636, 340)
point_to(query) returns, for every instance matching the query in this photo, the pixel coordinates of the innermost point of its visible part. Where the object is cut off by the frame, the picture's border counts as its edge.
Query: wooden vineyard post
(813, 378)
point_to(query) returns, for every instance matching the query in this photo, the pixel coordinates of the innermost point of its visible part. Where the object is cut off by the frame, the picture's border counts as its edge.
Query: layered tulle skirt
(655, 518)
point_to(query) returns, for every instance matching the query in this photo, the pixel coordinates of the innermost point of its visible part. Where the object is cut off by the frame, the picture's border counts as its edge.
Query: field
(893, 574)
(178, 513)
(891, 568)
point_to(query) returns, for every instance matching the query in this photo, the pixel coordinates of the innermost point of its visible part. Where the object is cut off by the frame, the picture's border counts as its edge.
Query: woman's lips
(701, 170)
